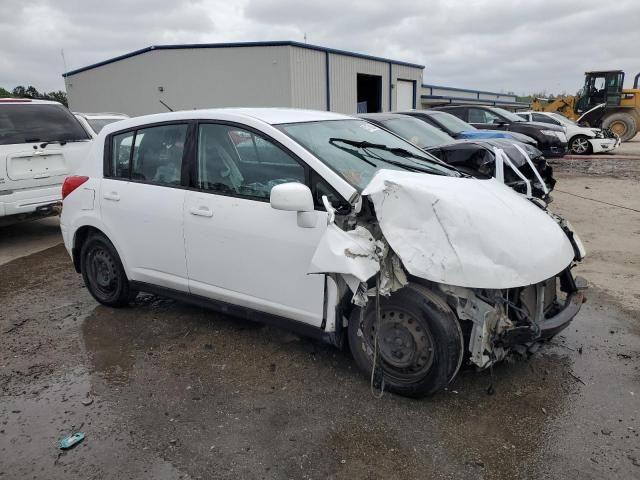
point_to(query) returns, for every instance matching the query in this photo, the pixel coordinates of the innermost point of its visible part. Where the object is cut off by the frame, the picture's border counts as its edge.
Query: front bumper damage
(501, 262)
(515, 319)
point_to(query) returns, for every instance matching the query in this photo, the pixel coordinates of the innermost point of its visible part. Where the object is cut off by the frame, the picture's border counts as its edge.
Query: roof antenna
(305, 37)
(64, 61)
(166, 106)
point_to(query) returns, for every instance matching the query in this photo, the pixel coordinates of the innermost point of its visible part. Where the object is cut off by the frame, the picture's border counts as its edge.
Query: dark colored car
(473, 157)
(551, 138)
(461, 130)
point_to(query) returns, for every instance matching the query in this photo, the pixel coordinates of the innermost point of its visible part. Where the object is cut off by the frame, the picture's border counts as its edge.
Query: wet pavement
(165, 390)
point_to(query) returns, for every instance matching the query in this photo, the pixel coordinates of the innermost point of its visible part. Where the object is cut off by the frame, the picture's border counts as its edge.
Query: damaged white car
(327, 225)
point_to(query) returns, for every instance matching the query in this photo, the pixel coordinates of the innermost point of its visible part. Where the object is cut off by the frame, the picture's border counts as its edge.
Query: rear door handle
(201, 212)
(114, 196)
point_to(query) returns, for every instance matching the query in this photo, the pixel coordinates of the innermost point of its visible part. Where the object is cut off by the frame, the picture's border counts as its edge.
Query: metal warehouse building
(258, 74)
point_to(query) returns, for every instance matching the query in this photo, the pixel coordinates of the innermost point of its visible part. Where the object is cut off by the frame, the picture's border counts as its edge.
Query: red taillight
(71, 183)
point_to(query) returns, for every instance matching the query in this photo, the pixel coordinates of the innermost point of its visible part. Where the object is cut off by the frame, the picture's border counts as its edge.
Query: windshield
(98, 124)
(417, 132)
(452, 123)
(352, 148)
(562, 119)
(27, 123)
(512, 117)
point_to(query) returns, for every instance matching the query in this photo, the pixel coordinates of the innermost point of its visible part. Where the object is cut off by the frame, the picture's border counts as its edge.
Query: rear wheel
(103, 272)
(580, 145)
(419, 341)
(622, 124)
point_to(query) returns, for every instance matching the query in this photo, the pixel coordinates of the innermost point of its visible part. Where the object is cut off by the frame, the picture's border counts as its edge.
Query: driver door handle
(201, 212)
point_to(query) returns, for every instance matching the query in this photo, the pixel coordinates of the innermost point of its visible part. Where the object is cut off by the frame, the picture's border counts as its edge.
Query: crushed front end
(514, 319)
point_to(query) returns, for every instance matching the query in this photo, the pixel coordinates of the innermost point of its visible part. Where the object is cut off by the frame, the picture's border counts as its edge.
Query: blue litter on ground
(71, 440)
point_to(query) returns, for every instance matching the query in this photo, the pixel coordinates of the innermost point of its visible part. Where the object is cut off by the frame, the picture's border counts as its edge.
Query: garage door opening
(369, 93)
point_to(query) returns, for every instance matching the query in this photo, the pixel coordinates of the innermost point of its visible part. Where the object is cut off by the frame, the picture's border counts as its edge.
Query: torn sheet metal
(357, 257)
(467, 232)
(355, 253)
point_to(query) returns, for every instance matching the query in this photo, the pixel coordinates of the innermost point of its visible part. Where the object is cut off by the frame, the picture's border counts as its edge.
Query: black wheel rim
(102, 272)
(405, 346)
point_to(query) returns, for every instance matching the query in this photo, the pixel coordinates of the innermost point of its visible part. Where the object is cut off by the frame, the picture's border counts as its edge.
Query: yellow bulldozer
(602, 102)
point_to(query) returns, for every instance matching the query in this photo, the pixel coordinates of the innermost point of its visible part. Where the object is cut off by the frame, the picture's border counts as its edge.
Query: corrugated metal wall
(259, 76)
(190, 78)
(308, 78)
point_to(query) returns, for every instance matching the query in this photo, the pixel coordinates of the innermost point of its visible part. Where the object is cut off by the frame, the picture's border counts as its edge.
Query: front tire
(420, 344)
(580, 145)
(103, 272)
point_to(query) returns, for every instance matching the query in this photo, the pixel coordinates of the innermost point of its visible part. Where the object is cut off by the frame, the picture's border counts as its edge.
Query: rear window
(20, 123)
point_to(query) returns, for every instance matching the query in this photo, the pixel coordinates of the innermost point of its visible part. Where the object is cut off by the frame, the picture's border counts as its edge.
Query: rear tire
(622, 124)
(103, 272)
(420, 344)
(580, 145)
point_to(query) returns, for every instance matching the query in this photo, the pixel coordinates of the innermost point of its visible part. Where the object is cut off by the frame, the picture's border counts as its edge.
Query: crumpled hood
(467, 232)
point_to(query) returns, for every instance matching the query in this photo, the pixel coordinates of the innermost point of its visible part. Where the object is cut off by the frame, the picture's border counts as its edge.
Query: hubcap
(404, 345)
(580, 145)
(102, 272)
(619, 128)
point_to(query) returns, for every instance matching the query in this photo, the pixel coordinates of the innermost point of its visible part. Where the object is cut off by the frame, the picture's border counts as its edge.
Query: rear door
(239, 249)
(40, 144)
(142, 198)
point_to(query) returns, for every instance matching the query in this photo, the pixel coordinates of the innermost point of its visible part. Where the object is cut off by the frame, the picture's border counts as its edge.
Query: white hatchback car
(325, 224)
(41, 143)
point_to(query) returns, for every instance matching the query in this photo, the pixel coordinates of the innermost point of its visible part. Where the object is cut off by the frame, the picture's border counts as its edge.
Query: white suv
(308, 219)
(41, 143)
(94, 122)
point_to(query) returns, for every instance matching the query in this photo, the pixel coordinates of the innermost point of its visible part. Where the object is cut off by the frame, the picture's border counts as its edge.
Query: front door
(240, 250)
(141, 201)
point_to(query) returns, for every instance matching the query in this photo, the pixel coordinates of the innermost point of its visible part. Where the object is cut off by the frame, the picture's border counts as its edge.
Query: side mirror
(294, 197)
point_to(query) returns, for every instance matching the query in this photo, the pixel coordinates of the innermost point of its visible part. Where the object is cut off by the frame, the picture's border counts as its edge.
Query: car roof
(27, 101)
(102, 115)
(271, 116)
(381, 116)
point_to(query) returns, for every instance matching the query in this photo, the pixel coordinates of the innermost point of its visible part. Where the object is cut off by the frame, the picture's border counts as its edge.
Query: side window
(321, 188)
(524, 116)
(120, 155)
(235, 161)
(544, 119)
(476, 116)
(157, 154)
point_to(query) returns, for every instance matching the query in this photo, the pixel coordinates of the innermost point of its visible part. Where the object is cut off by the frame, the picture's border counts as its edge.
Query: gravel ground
(164, 390)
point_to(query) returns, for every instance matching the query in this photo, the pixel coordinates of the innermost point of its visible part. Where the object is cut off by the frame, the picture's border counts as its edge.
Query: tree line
(32, 92)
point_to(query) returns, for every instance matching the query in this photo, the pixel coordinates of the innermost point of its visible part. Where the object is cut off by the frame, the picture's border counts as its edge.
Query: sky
(520, 46)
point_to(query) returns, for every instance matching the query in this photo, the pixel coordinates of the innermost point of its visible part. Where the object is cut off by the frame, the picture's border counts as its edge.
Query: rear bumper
(29, 201)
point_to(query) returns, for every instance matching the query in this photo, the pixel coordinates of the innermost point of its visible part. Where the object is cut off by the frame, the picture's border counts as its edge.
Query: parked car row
(336, 227)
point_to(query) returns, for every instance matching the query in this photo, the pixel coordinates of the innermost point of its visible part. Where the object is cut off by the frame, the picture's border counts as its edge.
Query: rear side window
(27, 123)
(151, 155)
(121, 154)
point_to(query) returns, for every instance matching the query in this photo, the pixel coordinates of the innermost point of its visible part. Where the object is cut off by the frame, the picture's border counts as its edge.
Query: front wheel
(580, 145)
(419, 341)
(103, 272)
